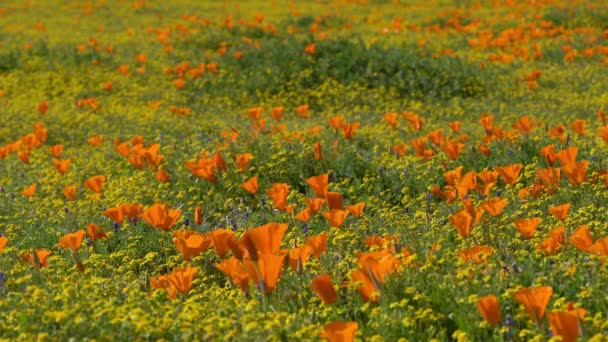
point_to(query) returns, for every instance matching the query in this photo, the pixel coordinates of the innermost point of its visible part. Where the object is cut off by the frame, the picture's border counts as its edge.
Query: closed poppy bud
(198, 215)
(489, 309)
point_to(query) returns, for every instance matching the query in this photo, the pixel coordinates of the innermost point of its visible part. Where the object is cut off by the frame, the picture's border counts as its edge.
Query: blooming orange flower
(251, 185)
(302, 111)
(181, 278)
(476, 254)
(489, 309)
(190, 243)
(310, 49)
(42, 107)
(319, 184)
(318, 243)
(61, 165)
(264, 239)
(162, 176)
(463, 222)
(72, 241)
(3, 242)
(224, 240)
(561, 211)
(509, 173)
(278, 193)
(69, 192)
(30, 191)
(566, 324)
(237, 272)
(334, 200)
(242, 161)
(527, 227)
(255, 112)
(159, 216)
(324, 288)
(298, 257)
(95, 232)
(95, 183)
(534, 300)
(95, 141)
(267, 271)
(335, 217)
(277, 113)
(581, 238)
(37, 258)
(340, 331)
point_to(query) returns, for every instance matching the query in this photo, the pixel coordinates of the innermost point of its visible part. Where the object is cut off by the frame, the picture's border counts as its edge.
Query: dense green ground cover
(186, 75)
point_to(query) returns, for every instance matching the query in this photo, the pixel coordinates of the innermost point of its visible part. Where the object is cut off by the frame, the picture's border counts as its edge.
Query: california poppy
(236, 270)
(489, 309)
(576, 172)
(356, 209)
(303, 215)
(334, 200)
(38, 258)
(298, 257)
(61, 165)
(581, 238)
(3, 242)
(162, 282)
(56, 150)
(509, 173)
(565, 324)
(95, 232)
(349, 129)
(278, 193)
(95, 183)
(277, 113)
(337, 331)
(534, 300)
(548, 152)
(567, 156)
(578, 126)
(181, 278)
(318, 151)
(319, 184)
(190, 243)
(251, 185)
(561, 211)
(162, 176)
(198, 215)
(72, 241)
(335, 217)
(494, 206)
(366, 288)
(69, 192)
(318, 244)
(242, 161)
(42, 107)
(315, 204)
(527, 227)
(264, 239)
(116, 214)
(324, 288)
(463, 222)
(159, 216)
(476, 254)
(224, 240)
(391, 119)
(95, 141)
(267, 271)
(302, 111)
(30, 191)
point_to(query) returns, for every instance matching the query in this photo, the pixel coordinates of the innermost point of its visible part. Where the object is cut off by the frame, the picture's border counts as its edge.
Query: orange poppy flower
(95, 183)
(267, 272)
(162, 282)
(181, 278)
(162, 176)
(30, 191)
(242, 161)
(277, 113)
(576, 172)
(561, 211)
(278, 193)
(487, 177)
(349, 129)
(534, 300)
(318, 243)
(452, 149)
(303, 215)
(578, 126)
(264, 239)
(324, 288)
(225, 240)
(477, 254)
(548, 152)
(334, 200)
(42, 107)
(37, 258)
(340, 331)
(56, 150)
(310, 49)
(356, 209)
(494, 206)
(391, 119)
(366, 288)
(524, 124)
(335, 217)
(463, 222)
(72, 241)
(298, 257)
(455, 126)
(527, 227)
(131, 210)
(315, 204)
(318, 151)
(95, 232)
(198, 215)
(509, 173)
(302, 111)
(3, 242)
(319, 184)
(116, 214)
(237, 272)
(567, 156)
(251, 185)
(489, 309)
(159, 216)
(95, 141)
(602, 132)
(336, 121)
(566, 324)
(581, 238)
(255, 112)
(61, 165)
(550, 177)
(69, 192)
(204, 167)
(190, 243)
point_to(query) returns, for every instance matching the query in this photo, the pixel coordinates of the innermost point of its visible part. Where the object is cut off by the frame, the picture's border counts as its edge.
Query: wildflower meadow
(337, 170)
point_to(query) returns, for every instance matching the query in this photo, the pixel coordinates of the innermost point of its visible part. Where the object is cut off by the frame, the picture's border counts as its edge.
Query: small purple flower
(134, 221)
(12, 196)
(516, 268)
(116, 226)
(66, 210)
(186, 222)
(3, 279)
(305, 228)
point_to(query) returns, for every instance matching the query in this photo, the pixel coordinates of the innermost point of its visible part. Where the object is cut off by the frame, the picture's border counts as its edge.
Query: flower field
(304, 170)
